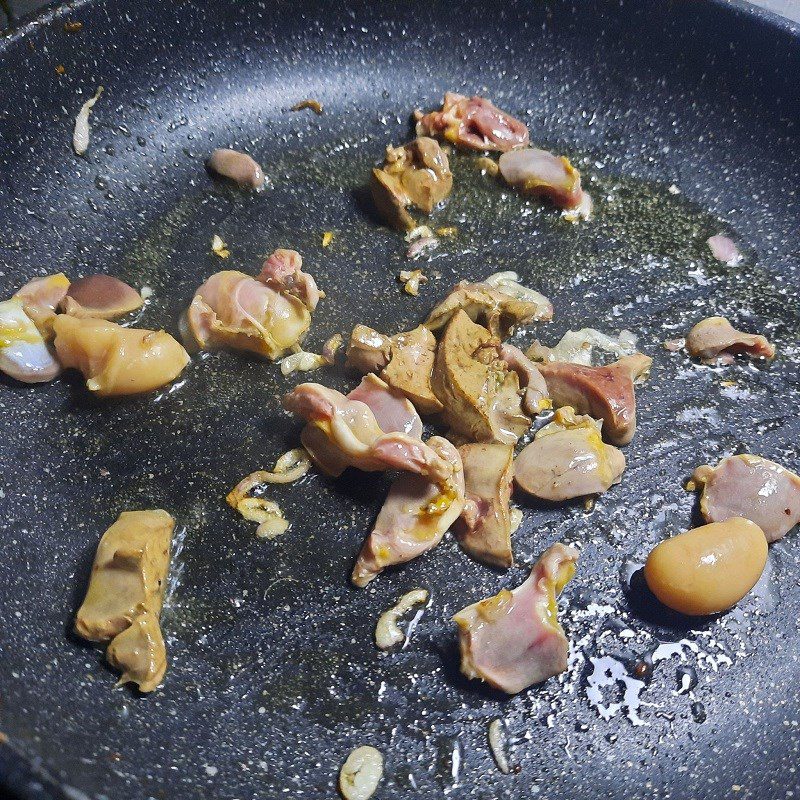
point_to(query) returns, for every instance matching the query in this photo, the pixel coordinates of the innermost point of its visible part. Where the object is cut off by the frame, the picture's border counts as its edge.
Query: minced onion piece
(361, 773)
(146, 292)
(576, 347)
(327, 238)
(387, 632)
(272, 528)
(508, 283)
(80, 134)
(497, 744)
(411, 279)
(582, 211)
(516, 519)
(673, 345)
(420, 232)
(331, 347)
(302, 362)
(219, 248)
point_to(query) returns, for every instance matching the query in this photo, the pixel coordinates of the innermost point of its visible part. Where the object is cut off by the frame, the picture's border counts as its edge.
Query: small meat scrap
(302, 361)
(238, 167)
(514, 640)
(605, 393)
(539, 172)
(100, 297)
(411, 281)
(478, 391)
(715, 340)
(25, 356)
(283, 272)
(405, 361)
(499, 309)
(125, 595)
(392, 410)
(484, 527)
(117, 361)
(219, 247)
(414, 177)
(567, 459)
(472, 123)
(40, 298)
(415, 516)
(387, 631)
(724, 249)
(751, 487)
(535, 397)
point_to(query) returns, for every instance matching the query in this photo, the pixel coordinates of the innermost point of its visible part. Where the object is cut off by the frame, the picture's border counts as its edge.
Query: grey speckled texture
(273, 677)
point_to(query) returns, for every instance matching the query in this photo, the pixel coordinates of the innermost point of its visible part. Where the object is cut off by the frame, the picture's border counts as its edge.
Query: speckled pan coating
(273, 676)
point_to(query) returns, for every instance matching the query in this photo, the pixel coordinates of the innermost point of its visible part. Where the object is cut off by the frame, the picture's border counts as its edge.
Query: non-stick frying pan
(683, 116)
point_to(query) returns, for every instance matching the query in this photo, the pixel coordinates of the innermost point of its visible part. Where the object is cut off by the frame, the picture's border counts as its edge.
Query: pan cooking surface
(273, 675)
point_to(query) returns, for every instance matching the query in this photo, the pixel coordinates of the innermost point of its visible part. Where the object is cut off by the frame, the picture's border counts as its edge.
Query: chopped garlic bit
(327, 238)
(314, 105)
(449, 230)
(411, 280)
(219, 248)
(302, 362)
(516, 519)
(487, 166)
(497, 744)
(146, 292)
(387, 631)
(80, 135)
(331, 347)
(582, 211)
(420, 232)
(673, 189)
(361, 773)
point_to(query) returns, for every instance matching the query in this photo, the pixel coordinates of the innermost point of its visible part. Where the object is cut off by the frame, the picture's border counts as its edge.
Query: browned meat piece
(129, 574)
(498, 310)
(605, 393)
(541, 173)
(479, 393)
(404, 361)
(473, 123)
(567, 459)
(237, 167)
(139, 653)
(484, 528)
(750, 487)
(514, 640)
(414, 176)
(716, 339)
(100, 297)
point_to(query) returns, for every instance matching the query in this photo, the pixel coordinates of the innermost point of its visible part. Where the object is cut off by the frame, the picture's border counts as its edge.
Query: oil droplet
(698, 712)
(687, 679)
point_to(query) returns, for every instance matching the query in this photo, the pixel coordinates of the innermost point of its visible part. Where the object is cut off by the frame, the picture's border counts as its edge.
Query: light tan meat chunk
(751, 487)
(715, 339)
(128, 575)
(567, 459)
(484, 528)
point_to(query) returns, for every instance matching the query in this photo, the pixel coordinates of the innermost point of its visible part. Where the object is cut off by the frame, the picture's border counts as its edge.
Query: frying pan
(683, 116)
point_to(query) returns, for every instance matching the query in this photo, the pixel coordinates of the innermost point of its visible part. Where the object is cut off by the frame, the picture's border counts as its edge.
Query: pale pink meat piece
(472, 123)
(514, 640)
(344, 433)
(392, 410)
(724, 249)
(283, 272)
(414, 517)
(484, 527)
(238, 167)
(714, 339)
(539, 172)
(605, 393)
(751, 487)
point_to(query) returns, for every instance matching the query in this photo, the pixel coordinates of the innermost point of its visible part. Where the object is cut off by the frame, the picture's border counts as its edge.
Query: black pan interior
(273, 677)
